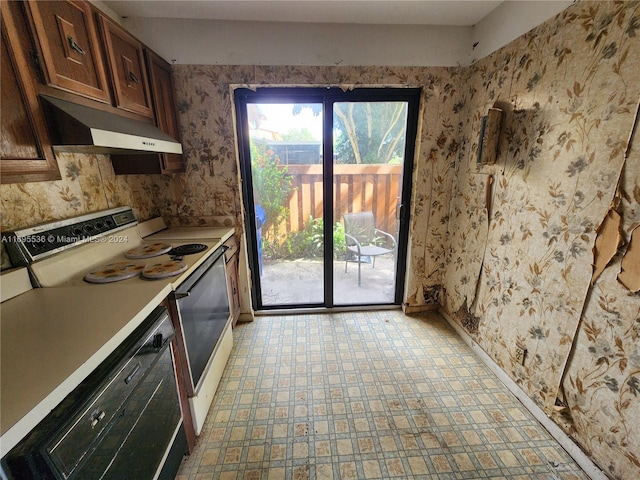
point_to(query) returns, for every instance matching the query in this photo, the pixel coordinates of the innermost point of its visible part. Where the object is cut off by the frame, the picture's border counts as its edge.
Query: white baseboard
(581, 458)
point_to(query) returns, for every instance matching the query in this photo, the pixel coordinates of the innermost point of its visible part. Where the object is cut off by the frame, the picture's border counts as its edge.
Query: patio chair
(361, 236)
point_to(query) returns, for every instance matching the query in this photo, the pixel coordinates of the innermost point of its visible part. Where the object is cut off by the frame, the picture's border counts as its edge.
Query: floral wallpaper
(506, 249)
(432, 187)
(88, 184)
(519, 258)
(602, 380)
(209, 189)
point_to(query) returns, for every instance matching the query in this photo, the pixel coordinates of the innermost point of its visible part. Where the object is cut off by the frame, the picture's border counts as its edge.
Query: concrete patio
(287, 282)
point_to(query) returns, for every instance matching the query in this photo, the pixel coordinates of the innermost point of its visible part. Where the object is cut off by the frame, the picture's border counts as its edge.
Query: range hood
(77, 128)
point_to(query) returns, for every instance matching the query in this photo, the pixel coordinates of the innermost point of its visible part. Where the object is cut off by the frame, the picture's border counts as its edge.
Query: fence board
(357, 202)
(306, 198)
(356, 188)
(319, 198)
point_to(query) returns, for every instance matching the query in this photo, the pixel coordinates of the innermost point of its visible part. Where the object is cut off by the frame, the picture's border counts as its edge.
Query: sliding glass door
(368, 159)
(324, 190)
(285, 145)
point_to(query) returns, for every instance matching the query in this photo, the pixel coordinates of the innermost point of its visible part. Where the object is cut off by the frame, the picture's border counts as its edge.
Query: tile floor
(366, 395)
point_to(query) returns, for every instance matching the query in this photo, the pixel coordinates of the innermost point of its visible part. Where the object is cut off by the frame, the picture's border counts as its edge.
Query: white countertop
(192, 233)
(52, 338)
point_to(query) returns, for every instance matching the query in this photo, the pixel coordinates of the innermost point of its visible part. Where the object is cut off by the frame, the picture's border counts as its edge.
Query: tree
(297, 135)
(369, 132)
(366, 132)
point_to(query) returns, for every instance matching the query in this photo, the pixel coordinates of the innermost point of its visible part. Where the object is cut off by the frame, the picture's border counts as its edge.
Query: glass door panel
(286, 172)
(368, 157)
(324, 189)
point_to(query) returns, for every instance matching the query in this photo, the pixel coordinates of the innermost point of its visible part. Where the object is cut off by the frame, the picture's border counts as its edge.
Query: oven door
(203, 311)
(122, 422)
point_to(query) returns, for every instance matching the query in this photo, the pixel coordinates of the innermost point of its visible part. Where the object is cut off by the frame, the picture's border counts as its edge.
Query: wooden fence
(356, 188)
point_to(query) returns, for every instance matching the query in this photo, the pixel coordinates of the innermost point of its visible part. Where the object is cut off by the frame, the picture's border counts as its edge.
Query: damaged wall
(517, 268)
(602, 380)
(437, 151)
(572, 87)
(210, 185)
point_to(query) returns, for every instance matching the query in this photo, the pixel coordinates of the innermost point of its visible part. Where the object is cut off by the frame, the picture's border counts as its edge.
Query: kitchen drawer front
(79, 436)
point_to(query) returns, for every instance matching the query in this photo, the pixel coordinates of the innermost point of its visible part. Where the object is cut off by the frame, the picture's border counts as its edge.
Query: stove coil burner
(187, 249)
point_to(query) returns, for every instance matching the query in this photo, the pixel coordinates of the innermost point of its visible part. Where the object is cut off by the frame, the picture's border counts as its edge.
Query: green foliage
(297, 135)
(339, 241)
(272, 186)
(309, 242)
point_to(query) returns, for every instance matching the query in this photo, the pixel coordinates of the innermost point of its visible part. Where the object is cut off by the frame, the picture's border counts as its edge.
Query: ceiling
(383, 12)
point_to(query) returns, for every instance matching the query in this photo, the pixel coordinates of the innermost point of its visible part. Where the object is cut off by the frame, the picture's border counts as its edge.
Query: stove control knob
(39, 245)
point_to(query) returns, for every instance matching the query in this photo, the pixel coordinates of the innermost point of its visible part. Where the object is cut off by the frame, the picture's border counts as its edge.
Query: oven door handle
(183, 294)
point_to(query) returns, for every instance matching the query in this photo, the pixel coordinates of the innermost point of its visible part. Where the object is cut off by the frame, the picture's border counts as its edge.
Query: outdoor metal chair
(361, 236)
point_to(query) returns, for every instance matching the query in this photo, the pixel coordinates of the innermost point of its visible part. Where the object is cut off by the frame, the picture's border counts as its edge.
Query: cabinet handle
(95, 419)
(133, 77)
(74, 46)
(132, 374)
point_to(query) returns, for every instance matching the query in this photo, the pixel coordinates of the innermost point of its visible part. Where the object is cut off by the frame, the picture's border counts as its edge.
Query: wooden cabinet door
(25, 149)
(166, 114)
(165, 108)
(127, 68)
(232, 257)
(68, 44)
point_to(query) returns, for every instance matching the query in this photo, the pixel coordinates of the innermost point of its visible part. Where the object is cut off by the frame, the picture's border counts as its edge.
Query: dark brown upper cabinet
(127, 68)
(26, 154)
(67, 43)
(166, 113)
(164, 106)
(68, 49)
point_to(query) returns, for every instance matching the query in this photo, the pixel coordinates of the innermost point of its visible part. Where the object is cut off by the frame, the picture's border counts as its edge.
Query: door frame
(326, 96)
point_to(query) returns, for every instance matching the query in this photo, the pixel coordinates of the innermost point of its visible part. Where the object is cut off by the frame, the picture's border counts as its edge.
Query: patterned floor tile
(366, 395)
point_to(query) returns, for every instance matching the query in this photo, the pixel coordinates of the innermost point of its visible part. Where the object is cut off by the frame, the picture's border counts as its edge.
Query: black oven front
(123, 421)
(202, 306)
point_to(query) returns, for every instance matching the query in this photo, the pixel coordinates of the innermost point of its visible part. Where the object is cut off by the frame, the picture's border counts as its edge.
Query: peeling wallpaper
(506, 249)
(519, 275)
(601, 383)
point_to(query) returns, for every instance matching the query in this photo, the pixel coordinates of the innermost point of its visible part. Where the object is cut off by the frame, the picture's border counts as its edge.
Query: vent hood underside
(81, 129)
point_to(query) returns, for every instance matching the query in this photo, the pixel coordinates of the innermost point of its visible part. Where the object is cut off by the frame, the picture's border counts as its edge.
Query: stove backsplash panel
(88, 184)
